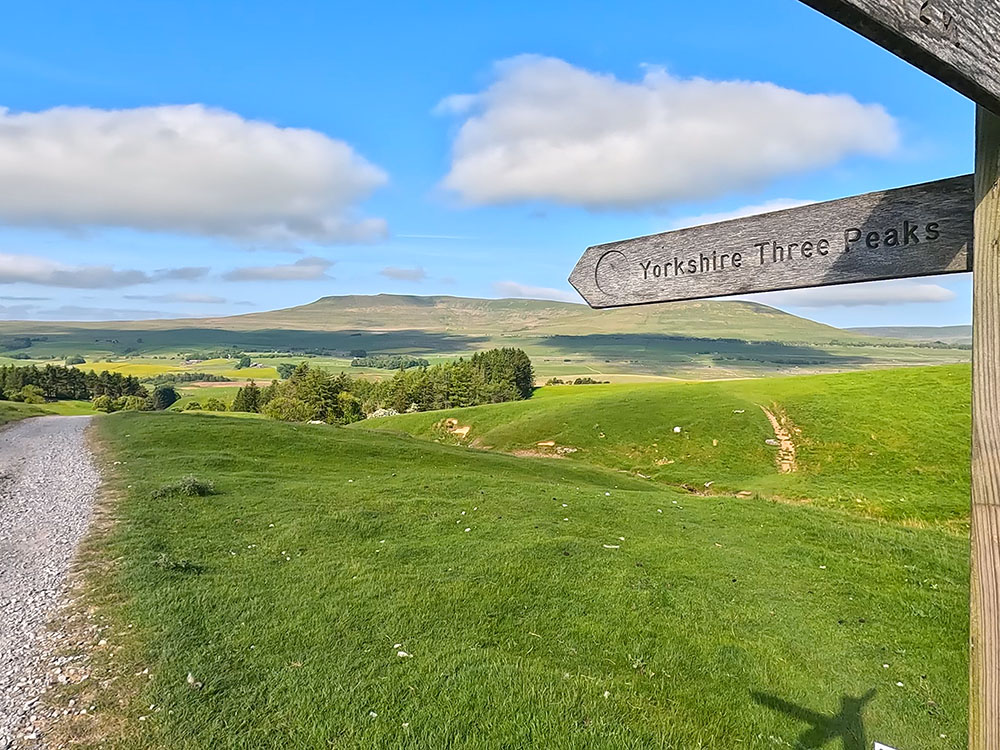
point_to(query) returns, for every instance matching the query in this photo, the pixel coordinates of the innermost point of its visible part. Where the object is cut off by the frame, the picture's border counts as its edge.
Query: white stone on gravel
(48, 481)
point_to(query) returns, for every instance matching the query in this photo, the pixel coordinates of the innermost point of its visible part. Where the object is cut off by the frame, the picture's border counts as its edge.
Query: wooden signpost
(953, 40)
(914, 231)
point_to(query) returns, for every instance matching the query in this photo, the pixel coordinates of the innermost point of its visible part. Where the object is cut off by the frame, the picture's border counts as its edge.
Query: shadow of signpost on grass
(847, 725)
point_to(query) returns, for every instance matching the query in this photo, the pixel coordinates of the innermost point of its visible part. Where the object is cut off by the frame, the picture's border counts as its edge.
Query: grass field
(889, 444)
(545, 603)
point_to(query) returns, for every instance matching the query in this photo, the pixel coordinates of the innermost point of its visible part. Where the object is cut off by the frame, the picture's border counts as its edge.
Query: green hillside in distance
(393, 312)
(949, 334)
(685, 340)
(870, 442)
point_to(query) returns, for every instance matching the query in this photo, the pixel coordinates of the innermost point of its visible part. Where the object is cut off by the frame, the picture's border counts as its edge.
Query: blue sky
(394, 192)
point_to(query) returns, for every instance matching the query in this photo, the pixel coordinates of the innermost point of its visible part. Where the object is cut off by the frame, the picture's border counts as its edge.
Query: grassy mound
(347, 588)
(891, 444)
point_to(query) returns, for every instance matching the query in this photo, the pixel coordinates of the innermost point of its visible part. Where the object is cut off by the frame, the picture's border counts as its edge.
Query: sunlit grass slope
(891, 443)
(543, 604)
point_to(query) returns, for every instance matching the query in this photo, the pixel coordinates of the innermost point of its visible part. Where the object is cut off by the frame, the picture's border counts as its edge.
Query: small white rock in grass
(403, 654)
(899, 684)
(822, 567)
(885, 666)
(372, 715)
(564, 505)
(612, 546)
(565, 519)
(406, 724)
(468, 529)
(677, 429)
(607, 694)
(607, 494)
(621, 539)
(659, 510)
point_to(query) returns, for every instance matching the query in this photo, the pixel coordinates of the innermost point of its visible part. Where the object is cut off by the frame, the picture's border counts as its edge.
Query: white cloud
(514, 289)
(777, 204)
(203, 299)
(404, 274)
(550, 131)
(78, 312)
(304, 269)
(187, 169)
(31, 269)
(874, 293)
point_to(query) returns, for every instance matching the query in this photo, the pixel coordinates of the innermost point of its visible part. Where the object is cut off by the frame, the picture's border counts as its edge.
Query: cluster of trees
(58, 382)
(186, 377)
(389, 361)
(578, 381)
(230, 353)
(110, 391)
(211, 404)
(312, 394)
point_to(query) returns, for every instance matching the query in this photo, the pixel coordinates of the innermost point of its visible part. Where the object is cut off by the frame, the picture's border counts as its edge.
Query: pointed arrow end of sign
(597, 276)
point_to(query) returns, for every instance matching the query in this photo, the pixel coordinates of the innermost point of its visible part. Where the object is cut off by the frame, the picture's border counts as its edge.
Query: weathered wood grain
(956, 41)
(913, 231)
(984, 657)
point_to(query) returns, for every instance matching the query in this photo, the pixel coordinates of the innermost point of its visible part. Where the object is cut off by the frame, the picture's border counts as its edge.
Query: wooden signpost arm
(984, 696)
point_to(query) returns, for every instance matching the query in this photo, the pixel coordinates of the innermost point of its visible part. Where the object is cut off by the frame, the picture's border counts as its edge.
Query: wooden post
(984, 635)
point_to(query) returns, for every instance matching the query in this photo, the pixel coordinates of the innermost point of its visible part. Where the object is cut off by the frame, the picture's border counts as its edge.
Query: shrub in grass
(183, 565)
(29, 394)
(214, 404)
(130, 403)
(192, 406)
(189, 486)
(288, 409)
(104, 403)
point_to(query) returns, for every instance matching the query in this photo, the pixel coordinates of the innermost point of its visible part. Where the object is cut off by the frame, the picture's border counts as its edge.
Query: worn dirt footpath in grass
(47, 485)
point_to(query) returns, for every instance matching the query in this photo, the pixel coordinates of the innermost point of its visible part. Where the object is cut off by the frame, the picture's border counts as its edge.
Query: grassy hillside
(891, 444)
(538, 603)
(707, 339)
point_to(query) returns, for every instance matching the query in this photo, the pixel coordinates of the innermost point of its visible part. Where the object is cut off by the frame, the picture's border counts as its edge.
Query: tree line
(309, 393)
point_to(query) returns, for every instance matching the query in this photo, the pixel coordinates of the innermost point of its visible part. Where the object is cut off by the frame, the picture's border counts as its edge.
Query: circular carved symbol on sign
(611, 272)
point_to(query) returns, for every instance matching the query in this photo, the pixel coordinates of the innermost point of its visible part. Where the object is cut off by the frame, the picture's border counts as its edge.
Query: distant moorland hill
(394, 312)
(705, 339)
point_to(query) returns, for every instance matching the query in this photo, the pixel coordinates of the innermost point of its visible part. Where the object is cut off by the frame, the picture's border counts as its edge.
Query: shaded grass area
(890, 443)
(11, 410)
(581, 608)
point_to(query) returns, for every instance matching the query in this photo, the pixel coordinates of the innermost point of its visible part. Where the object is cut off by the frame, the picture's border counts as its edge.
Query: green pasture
(536, 602)
(888, 443)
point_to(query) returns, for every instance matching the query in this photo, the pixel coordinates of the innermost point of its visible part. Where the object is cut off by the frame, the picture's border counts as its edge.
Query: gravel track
(48, 482)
